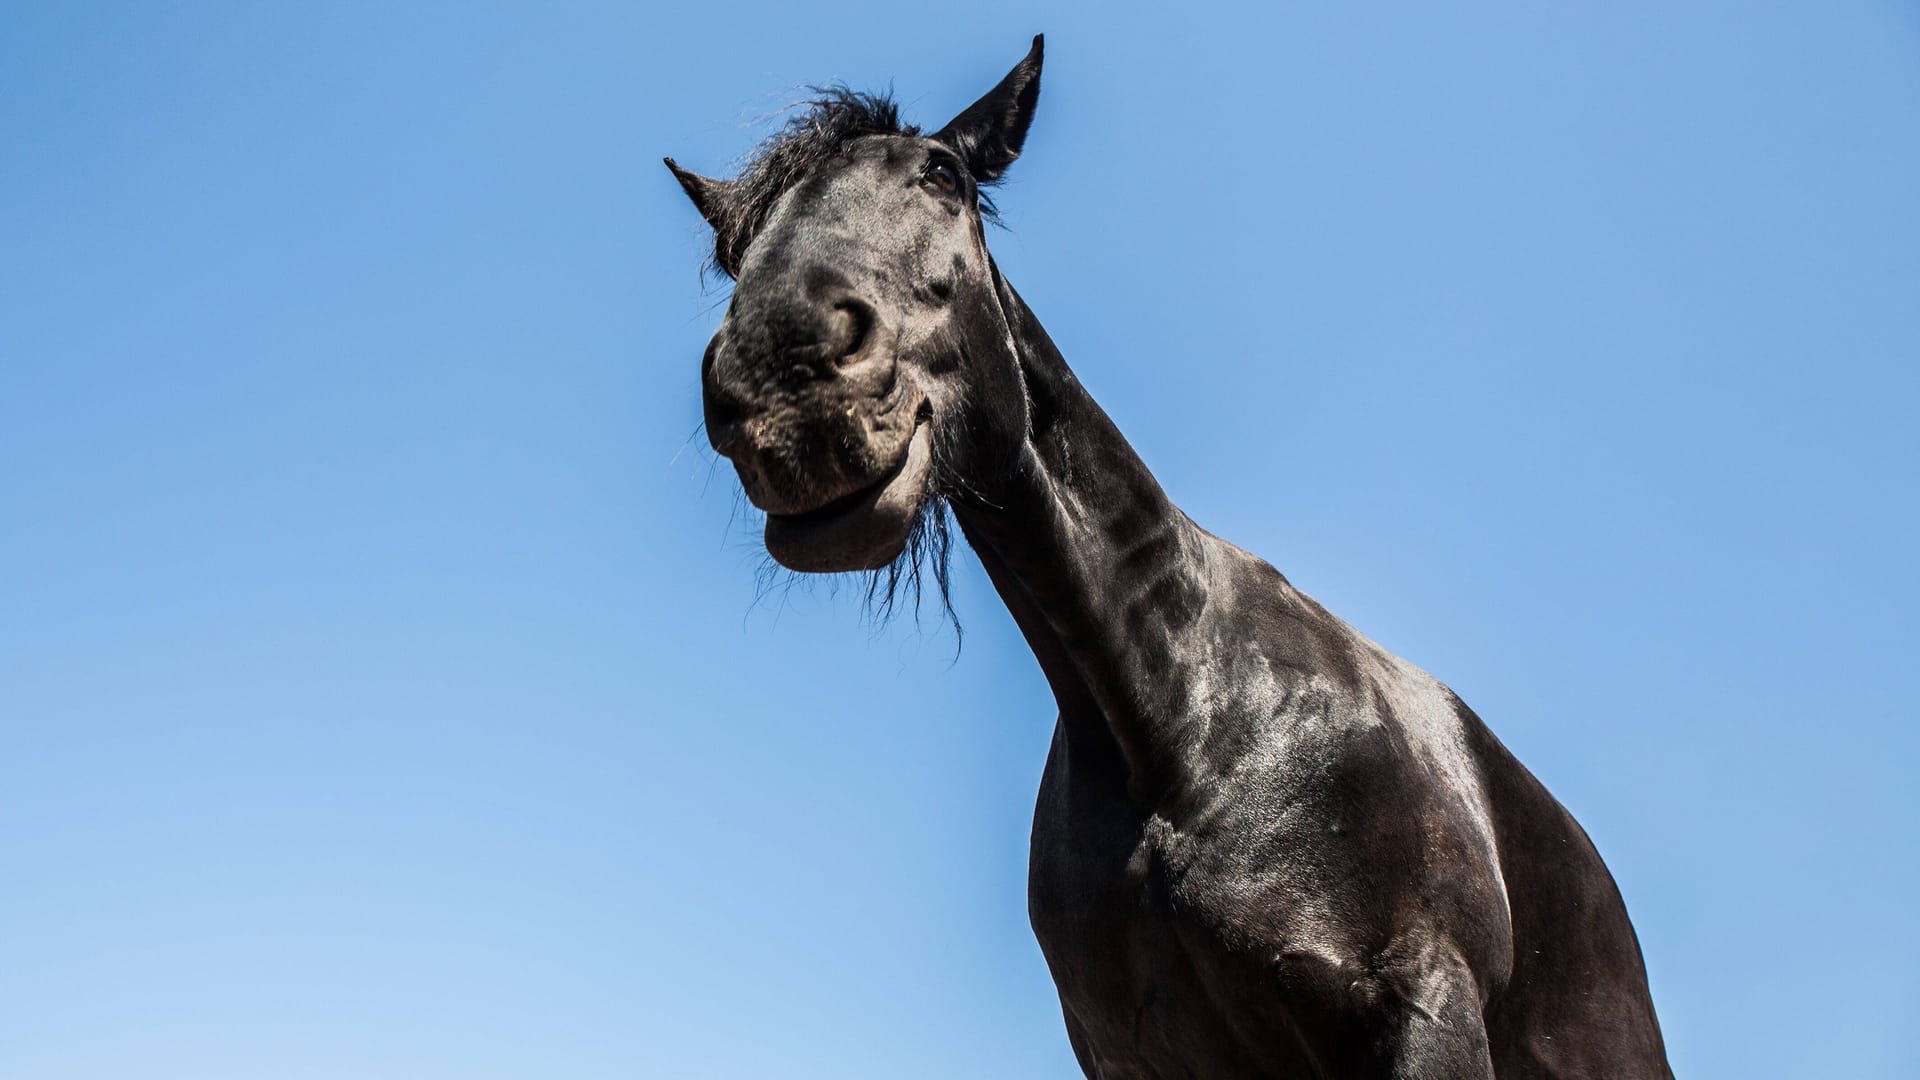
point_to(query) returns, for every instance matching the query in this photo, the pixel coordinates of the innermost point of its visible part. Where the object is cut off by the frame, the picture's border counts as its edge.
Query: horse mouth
(864, 530)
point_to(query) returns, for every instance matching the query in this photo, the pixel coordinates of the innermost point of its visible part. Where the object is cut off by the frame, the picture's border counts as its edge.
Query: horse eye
(942, 176)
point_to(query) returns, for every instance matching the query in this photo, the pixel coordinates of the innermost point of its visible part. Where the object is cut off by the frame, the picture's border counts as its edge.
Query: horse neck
(1106, 578)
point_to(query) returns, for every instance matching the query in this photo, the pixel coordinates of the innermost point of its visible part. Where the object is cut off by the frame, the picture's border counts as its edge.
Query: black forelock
(819, 130)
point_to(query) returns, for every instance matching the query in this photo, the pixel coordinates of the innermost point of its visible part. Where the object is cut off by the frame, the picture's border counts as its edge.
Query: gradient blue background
(384, 690)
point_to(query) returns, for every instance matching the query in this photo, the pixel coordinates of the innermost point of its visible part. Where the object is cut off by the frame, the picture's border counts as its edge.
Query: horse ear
(989, 134)
(708, 194)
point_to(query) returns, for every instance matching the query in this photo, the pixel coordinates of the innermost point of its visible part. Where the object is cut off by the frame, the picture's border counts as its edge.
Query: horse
(1263, 845)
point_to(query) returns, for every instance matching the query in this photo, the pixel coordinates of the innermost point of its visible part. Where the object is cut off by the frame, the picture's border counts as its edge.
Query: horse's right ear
(989, 134)
(708, 195)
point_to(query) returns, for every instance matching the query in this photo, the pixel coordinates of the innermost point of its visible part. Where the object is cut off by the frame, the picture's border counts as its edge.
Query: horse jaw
(864, 531)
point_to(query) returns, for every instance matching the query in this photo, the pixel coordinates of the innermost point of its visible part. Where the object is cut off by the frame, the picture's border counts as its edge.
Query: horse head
(865, 359)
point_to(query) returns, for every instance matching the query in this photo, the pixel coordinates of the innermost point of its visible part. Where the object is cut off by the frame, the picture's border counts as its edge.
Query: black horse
(1264, 846)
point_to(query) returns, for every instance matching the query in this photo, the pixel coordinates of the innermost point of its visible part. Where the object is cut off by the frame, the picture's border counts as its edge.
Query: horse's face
(847, 339)
(865, 337)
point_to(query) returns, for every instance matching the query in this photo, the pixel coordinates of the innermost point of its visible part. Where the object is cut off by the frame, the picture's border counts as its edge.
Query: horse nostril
(851, 323)
(724, 414)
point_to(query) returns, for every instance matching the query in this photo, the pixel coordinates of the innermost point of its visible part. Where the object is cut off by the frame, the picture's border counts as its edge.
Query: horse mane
(819, 130)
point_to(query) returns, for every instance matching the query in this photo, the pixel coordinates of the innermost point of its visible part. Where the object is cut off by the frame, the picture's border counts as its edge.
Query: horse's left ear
(707, 193)
(989, 134)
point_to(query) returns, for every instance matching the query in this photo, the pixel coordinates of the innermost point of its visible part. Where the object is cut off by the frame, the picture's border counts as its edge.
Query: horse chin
(863, 531)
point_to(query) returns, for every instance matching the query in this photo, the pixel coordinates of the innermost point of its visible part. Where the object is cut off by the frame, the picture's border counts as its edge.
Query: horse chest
(1155, 978)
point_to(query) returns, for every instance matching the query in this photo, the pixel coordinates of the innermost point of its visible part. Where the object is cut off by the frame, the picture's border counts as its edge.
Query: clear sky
(384, 690)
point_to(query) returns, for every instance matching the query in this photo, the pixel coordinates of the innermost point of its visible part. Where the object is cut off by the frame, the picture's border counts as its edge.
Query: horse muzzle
(863, 530)
(827, 434)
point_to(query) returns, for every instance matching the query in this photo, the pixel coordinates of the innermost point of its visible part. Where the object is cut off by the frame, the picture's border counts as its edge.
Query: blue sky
(384, 688)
